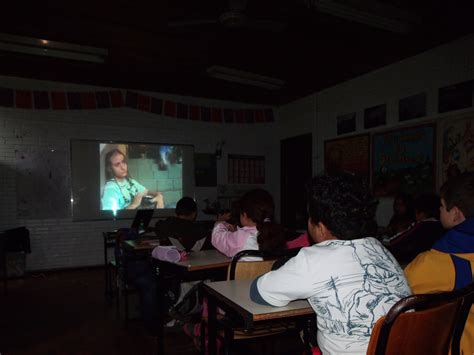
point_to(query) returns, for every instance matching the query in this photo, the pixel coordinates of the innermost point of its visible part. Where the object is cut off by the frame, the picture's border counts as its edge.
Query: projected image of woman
(120, 190)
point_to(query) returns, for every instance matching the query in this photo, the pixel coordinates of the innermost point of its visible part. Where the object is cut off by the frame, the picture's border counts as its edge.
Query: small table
(235, 294)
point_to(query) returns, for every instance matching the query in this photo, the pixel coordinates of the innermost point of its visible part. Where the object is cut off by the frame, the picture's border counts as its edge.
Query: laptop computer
(142, 220)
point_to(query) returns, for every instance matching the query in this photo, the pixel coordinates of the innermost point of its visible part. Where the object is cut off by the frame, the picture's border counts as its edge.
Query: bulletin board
(457, 141)
(405, 159)
(351, 154)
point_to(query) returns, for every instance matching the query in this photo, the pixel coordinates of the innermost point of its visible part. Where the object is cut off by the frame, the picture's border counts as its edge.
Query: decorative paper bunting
(6, 97)
(240, 116)
(102, 98)
(90, 100)
(170, 108)
(249, 116)
(41, 99)
(228, 115)
(183, 111)
(195, 113)
(131, 100)
(58, 100)
(74, 100)
(205, 114)
(24, 99)
(259, 116)
(144, 103)
(116, 98)
(216, 114)
(156, 106)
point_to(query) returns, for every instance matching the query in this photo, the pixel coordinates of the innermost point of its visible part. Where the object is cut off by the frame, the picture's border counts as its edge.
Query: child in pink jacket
(258, 232)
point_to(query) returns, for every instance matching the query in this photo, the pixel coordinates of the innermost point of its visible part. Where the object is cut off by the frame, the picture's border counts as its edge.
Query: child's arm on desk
(227, 239)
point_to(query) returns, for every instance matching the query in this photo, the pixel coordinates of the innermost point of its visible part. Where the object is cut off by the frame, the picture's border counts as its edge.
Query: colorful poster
(351, 154)
(457, 146)
(403, 160)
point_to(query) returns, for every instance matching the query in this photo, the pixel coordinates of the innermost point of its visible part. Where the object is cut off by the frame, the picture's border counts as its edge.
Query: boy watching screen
(449, 264)
(349, 280)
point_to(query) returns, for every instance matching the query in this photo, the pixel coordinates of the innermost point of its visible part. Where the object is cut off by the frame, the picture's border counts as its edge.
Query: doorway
(296, 171)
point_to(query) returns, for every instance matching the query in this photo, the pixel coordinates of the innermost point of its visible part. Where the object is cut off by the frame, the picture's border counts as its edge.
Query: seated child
(403, 214)
(183, 227)
(449, 263)
(299, 242)
(422, 234)
(258, 232)
(349, 280)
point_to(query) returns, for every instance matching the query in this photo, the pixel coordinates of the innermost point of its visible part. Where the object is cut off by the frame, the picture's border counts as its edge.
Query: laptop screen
(142, 219)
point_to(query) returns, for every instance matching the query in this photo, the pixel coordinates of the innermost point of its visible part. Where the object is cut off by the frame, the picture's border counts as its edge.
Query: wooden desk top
(236, 293)
(198, 260)
(148, 244)
(205, 259)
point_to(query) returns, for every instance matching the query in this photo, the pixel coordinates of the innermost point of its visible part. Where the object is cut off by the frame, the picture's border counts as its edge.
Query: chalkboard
(43, 183)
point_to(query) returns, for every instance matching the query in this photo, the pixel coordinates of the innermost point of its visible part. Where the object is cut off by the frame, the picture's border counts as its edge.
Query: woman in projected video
(121, 191)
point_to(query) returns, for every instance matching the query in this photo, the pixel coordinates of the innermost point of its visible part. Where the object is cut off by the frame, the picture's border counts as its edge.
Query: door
(296, 171)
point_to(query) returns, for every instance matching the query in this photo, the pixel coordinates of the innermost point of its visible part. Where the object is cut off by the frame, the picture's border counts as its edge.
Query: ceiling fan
(234, 17)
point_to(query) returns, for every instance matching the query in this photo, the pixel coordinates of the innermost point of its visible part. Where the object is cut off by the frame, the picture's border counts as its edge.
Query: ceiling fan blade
(188, 23)
(266, 25)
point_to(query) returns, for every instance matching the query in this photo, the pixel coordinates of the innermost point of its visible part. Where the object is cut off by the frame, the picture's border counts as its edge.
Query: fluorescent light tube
(348, 12)
(46, 48)
(243, 77)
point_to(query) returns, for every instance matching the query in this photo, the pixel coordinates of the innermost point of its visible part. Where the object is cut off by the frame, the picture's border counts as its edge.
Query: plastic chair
(417, 324)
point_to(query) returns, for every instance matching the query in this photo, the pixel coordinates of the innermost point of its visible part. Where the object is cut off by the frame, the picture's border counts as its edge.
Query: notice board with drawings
(349, 154)
(43, 183)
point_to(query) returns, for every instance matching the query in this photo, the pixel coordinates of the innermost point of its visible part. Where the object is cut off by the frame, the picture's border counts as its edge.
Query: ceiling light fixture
(46, 48)
(243, 77)
(375, 14)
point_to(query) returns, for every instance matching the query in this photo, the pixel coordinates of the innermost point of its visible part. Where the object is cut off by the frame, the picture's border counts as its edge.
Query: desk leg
(212, 335)
(160, 299)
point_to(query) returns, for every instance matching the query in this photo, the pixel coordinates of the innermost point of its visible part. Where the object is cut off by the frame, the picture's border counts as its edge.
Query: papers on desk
(196, 247)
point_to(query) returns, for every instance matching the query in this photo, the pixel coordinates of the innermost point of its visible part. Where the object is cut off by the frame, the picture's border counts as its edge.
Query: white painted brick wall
(61, 243)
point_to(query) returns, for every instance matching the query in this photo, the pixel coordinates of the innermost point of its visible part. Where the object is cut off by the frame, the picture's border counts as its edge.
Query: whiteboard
(43, 183)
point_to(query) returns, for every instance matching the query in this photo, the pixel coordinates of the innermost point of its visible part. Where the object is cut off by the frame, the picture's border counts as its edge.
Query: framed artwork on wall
(346, 123)
(455, 97)
(404, 160)
(457, 146)
(412, 107)
(351, 154)
(246, 169)
(375, 116)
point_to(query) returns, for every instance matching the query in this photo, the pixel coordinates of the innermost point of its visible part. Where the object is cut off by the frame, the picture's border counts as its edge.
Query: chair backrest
(467, 311)
(239, 270)
(418, 324)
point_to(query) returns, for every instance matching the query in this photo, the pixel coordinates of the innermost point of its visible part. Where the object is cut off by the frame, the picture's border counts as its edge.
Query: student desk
(199, 265)
(235, 295)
